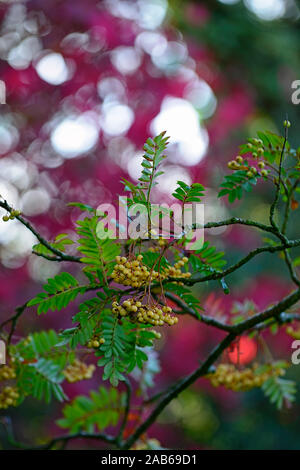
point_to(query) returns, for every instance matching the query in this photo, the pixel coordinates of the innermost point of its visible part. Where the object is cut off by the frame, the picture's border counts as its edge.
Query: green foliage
(151, 260)
(273, 145)
(186, 193)
(101, 409)
(82, 207)
(279, 390)
(87, 319)
(113, 350)
(123, 347)
(152, 158)
(185, 294)
(61, 290)
(207, 259)
(97, 251)
(126, 346)
(139, 340)
(40, 364)
(36, 344)
(60, 243)
(46, 377)
(235, 184)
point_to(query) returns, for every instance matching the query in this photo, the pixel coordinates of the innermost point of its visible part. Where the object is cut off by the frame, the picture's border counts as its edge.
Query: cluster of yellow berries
(95, 342)
(7, 373)
(78, 371)
(141, 313)
(131, 272)
(242, 380)
(238, 164)
(175, 271)
(293, 333)
(12, 215)
(9, 397)
(160, 243)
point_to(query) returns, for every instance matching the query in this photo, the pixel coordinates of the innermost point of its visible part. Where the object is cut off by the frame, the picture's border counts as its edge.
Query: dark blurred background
(86, 82)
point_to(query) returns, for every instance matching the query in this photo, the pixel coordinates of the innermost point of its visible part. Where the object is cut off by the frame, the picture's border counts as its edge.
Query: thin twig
(273, 205)
(60, 256)
(220, 274)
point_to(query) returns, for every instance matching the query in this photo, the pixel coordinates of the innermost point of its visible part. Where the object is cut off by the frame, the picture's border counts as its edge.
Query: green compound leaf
(235, 184)
(207, 259)
(100, 410)
(152, 158)
(186, 193)
(97, 251)
(278, 390)
(60, 291)
(60, 243)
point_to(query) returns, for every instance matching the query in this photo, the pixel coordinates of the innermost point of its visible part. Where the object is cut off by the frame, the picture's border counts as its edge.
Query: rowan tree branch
(60, 256)
(203, 369)
(184, 308)
(239, 221)
(177, 388)
(220, 274)
(274, 203)
(6, 422)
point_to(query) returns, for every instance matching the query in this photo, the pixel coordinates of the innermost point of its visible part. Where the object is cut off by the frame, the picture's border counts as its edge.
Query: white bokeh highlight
(116, 119)
(75, 136)
(267, 10)
(181, 121)
(53, 69)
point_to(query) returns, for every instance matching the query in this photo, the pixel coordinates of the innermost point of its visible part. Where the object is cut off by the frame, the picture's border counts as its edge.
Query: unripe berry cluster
(136, 311)
(160, 243)
(256, 147)
(242, 380)
(12, 215)
(238, 164)
(78, 371)
(175, 271)
(131, 272)
(95, 342)
(7, 373)
(8, 397)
